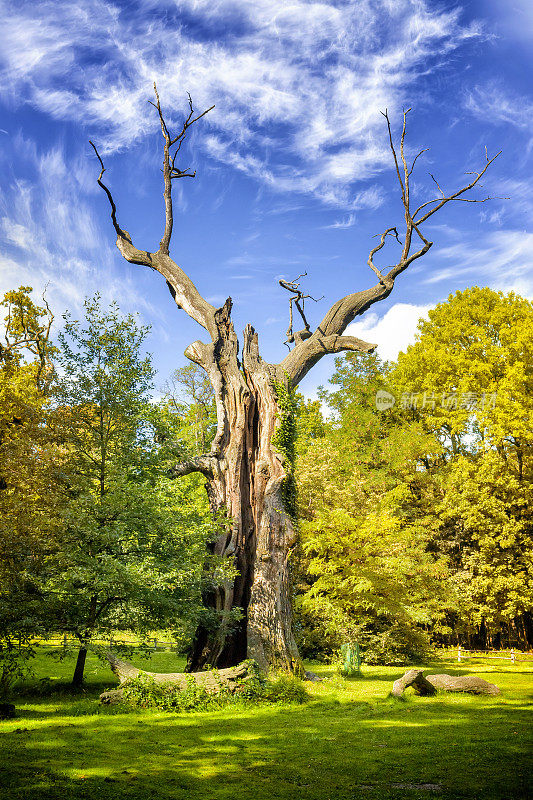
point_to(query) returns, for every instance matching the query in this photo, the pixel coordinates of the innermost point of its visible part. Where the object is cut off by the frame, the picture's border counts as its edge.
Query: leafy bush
(315, 641)
(396, 644)
(144, 692)
(286, 689)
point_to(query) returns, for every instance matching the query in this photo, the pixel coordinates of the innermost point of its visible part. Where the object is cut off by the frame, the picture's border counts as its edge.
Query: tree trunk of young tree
(77, 679)
(245, 472)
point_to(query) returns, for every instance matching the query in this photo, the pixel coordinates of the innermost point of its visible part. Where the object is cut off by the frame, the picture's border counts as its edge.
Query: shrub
(286, 689)
(396, 645)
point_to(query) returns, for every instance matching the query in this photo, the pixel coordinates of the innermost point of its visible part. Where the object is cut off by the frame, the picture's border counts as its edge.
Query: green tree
(191, 398)
(471, 370)
(131, 545)
(28, 495)
(371, 577)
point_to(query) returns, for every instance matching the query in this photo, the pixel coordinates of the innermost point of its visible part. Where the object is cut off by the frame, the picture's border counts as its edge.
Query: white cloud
(392, 332)
(340, 224)
(298, 86)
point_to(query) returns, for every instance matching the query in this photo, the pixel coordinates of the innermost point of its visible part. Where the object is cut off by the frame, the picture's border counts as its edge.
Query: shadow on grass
(62, 689)
(467, 748)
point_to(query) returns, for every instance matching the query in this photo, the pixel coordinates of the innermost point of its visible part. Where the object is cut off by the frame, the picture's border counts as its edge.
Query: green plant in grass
(286, 688)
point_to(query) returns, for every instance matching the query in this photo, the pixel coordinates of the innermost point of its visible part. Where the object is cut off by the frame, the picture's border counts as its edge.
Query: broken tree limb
(212, 680)
(470, 684)
(414, 678)
(429, 684)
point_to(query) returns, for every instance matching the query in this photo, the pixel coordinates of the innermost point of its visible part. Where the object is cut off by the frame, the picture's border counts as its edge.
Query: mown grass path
(350, 741)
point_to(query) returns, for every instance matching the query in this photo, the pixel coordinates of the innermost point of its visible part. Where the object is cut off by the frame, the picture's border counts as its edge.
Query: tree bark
(77, 679)
(246, 482)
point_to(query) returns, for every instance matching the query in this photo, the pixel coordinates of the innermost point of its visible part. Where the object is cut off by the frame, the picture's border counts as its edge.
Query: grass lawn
(350, 741)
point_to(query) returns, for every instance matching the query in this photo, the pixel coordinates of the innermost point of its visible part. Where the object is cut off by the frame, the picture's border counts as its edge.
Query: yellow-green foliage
(480, 342)
(371, 579)
(28, 491)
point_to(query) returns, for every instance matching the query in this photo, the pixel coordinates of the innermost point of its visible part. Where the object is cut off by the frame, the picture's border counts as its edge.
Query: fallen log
(429, 684)
(414, 678)
(470, 684)
(212, 681)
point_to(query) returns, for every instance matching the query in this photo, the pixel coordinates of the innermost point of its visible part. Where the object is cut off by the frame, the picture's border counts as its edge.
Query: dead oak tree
(244, 469)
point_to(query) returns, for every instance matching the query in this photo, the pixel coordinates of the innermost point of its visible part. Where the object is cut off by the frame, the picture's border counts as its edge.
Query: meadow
(350, 740)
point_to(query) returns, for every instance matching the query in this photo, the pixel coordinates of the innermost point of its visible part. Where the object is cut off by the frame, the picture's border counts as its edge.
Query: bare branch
(298, 298)
(455, 195)
(167, 191)
(402, 154)
(170, 171)
(124, 243)
(341, 313)
(116, 226)
(437, 184)
(370, 261)
(391, 142)
(425, 150)
(181, 287)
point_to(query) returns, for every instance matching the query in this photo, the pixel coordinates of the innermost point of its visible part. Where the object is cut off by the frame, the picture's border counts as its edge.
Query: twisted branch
(102, 185)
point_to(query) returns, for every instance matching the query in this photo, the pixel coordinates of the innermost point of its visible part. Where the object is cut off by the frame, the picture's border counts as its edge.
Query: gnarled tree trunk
(245, 479)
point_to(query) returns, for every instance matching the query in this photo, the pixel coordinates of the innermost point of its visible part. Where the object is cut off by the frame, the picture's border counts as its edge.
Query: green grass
(350, 741)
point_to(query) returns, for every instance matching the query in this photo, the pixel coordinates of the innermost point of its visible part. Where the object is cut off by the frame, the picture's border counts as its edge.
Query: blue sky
(293, 168)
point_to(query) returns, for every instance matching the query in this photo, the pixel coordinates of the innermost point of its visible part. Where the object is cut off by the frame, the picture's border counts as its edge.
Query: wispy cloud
(502, 258)
(49, 234)
(298, 87)
(496, 103)
(345, 222)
